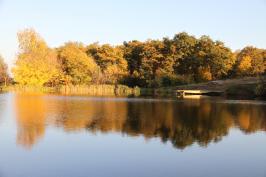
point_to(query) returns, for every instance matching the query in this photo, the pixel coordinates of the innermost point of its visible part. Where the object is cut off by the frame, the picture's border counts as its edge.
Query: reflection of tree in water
(93, 115)
(186, 123)
(31, 113)
(182, 123)
(250, 118)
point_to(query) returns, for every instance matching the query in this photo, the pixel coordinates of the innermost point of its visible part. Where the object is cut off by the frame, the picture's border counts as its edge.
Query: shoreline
(124, 91)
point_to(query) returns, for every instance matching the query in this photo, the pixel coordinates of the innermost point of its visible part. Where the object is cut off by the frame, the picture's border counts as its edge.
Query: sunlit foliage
(110, 60)
(251, 61)
(36, 63)
(76, 66)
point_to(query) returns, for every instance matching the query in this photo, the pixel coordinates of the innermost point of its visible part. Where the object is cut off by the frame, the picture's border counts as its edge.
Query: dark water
(57, 136)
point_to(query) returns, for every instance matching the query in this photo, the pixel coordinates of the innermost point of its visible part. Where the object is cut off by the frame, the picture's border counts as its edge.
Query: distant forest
(168, 62)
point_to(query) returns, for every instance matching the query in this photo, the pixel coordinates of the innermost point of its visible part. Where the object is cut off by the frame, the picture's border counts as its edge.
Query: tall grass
(33, 89)
(100, 90)
(92, 90)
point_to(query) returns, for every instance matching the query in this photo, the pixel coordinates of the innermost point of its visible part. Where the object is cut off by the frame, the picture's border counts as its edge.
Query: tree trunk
(5, 81)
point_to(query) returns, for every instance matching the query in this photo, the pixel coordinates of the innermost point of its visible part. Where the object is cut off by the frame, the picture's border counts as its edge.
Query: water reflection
(31, 115)
(180, 122)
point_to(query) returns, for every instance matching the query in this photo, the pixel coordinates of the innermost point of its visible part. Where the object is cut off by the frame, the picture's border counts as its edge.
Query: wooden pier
(198, 92)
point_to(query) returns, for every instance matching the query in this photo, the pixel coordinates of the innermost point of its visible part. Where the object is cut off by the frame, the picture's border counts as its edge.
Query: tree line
(167, 62)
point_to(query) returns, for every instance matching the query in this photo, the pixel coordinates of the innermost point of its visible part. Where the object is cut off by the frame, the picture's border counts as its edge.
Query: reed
(92, 90)
(100, 90)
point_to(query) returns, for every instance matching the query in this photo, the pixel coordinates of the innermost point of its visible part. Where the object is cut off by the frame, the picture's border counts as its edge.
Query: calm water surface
(58, 136)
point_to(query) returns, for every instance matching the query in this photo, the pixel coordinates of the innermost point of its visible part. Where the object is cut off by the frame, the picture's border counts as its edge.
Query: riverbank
(244, 88)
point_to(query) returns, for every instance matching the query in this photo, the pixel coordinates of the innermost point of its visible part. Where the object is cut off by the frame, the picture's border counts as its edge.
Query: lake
(78, 136)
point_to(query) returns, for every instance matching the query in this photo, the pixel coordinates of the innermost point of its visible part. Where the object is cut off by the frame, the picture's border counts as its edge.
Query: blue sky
(236, 22)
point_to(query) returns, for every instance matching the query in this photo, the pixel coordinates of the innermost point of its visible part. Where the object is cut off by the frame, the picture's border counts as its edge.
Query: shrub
(261, 90)
(242, 91)
(174, 80)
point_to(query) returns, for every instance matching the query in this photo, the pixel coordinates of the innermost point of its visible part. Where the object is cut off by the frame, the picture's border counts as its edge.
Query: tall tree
(182, 47)
(153, 61)
(77, 67)
(209, 60)
(111, 61)
(250, 61)
(216, 56)
(132, 53)
(36, 63)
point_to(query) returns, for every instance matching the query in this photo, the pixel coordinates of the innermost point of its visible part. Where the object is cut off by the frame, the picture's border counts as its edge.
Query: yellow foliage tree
(111, 61)
(76, 65)
(244, 65)
(36, 63)
(204, 74)
(250, 62)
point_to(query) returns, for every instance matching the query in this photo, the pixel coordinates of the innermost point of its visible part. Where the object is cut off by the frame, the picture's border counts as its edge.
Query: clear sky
(236, 22)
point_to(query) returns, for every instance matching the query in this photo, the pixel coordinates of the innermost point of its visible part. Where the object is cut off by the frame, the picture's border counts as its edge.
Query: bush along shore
(247, 91)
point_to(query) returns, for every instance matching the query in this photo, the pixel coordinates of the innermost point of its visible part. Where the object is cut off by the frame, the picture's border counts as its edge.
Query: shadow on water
(181, 122)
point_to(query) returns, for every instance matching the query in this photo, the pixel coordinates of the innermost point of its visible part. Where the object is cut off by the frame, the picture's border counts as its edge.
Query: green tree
(148, 62)
(209, 60)
(132, 53)
(181, 47)
(36, 63)
(77, 67)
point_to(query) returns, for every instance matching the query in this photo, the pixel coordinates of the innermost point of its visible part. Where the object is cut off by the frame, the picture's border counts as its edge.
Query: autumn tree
(76, 66)
(181, 48)
(132, 54)
(36, 63)
(111, 61)
(154, 64)
(3, 71)
(216, 56)
(209, 60)
(147, 62)
(251, 61)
